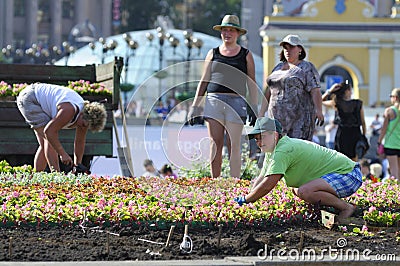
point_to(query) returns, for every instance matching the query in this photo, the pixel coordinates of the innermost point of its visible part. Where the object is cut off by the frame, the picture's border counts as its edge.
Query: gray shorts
(31, 109)
(225, 108)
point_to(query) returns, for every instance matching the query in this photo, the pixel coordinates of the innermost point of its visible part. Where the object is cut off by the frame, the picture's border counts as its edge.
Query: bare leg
(393, 165)
(235, 134)
(45, 154)
(398, 170)
(216, 132)
(51, 156)
(319, 190)
(40, 162)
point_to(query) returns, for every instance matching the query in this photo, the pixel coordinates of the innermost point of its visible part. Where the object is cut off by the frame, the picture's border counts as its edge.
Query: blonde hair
(376, 169)
(396, 92)
(96, 115)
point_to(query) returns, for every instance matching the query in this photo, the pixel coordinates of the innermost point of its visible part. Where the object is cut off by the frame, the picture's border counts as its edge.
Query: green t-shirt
(392, 137)
(301, 161)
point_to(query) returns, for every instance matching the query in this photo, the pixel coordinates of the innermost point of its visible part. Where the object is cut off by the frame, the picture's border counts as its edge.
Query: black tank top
(229, 73)
(348, 113)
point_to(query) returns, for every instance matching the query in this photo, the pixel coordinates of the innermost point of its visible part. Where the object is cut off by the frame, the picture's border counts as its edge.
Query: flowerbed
(29, 197)
(81, 86)
(58, 198)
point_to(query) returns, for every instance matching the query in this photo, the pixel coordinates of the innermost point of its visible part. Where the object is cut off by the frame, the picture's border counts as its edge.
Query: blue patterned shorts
(345, 184)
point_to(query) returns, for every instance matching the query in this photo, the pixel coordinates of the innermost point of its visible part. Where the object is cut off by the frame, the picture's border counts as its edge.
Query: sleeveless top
(49, 96)
(228, 73)
(348, 113)
(392, 136)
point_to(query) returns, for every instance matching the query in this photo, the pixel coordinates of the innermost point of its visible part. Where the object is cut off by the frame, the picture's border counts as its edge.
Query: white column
(56, 22)
(8, 21)
(277, 52)
(106, 17)
(396, 64)
(373, 74)
(31, 22)
(80, 11)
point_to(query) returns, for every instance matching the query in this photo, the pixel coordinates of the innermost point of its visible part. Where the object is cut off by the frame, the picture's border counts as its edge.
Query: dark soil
(72, 243)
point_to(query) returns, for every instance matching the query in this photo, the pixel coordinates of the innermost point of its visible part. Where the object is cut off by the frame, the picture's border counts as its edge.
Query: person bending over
(48, 108)
(316, 173)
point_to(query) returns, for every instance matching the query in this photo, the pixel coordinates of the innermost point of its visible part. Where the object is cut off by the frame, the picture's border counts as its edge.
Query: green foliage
(183, 96)
(6, 168)
(81, 86)
(203, 14)
(210, 13)
(13, 90)
(86, 88)
(125, 87)
(250, 168)
(382, 218)
(198, 170)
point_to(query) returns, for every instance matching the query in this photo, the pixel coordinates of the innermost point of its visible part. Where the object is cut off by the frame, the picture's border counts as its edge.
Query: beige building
(51, 22)
(356, 40)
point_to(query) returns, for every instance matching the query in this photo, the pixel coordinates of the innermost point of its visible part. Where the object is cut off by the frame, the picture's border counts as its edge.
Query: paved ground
(229, 261)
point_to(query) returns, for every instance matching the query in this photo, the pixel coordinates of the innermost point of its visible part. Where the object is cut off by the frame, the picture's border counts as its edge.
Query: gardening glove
(251, 114)
(80, 169)
(194, 116)
(240, 200)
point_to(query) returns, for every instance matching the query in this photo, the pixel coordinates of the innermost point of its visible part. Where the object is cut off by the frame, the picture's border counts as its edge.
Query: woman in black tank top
(229, 72)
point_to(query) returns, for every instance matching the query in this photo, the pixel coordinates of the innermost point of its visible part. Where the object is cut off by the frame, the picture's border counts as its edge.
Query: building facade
(48, 23)
(355, 40)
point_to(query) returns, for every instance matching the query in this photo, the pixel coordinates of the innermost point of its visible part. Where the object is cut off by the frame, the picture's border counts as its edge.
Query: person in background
(376, 126)
(315, 137)
(161, 110)
(375, 172)
(317, 174)
(293, 94)
(350, 117)
(150, 169)
(229, 73)
(365, 163)
(166, 171)
(330, 134)
(49, 108)
(390, 133)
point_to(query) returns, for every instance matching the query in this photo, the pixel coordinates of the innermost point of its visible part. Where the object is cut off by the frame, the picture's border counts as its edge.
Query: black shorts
(392, 152)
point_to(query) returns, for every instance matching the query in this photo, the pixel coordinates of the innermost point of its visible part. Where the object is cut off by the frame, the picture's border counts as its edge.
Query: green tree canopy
(199, 15)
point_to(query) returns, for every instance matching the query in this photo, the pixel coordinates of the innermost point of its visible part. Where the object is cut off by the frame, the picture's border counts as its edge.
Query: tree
(199, 15)
(142, 15)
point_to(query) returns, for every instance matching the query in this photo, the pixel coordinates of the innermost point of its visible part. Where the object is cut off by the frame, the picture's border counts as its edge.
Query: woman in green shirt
(390, 132)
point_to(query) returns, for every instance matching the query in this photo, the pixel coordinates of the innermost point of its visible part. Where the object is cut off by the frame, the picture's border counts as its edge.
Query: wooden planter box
(18, 142)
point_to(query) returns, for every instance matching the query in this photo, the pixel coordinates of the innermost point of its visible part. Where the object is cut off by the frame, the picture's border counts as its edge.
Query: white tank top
(49, 96)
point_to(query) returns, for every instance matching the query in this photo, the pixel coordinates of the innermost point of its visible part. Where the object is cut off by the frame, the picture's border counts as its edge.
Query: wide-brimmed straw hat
(293, 40)
(230, 21)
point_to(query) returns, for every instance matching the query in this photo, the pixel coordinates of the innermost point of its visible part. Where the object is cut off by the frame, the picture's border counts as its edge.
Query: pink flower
(364, 228)
(371, 209)
(42, 196)
(101, 204)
